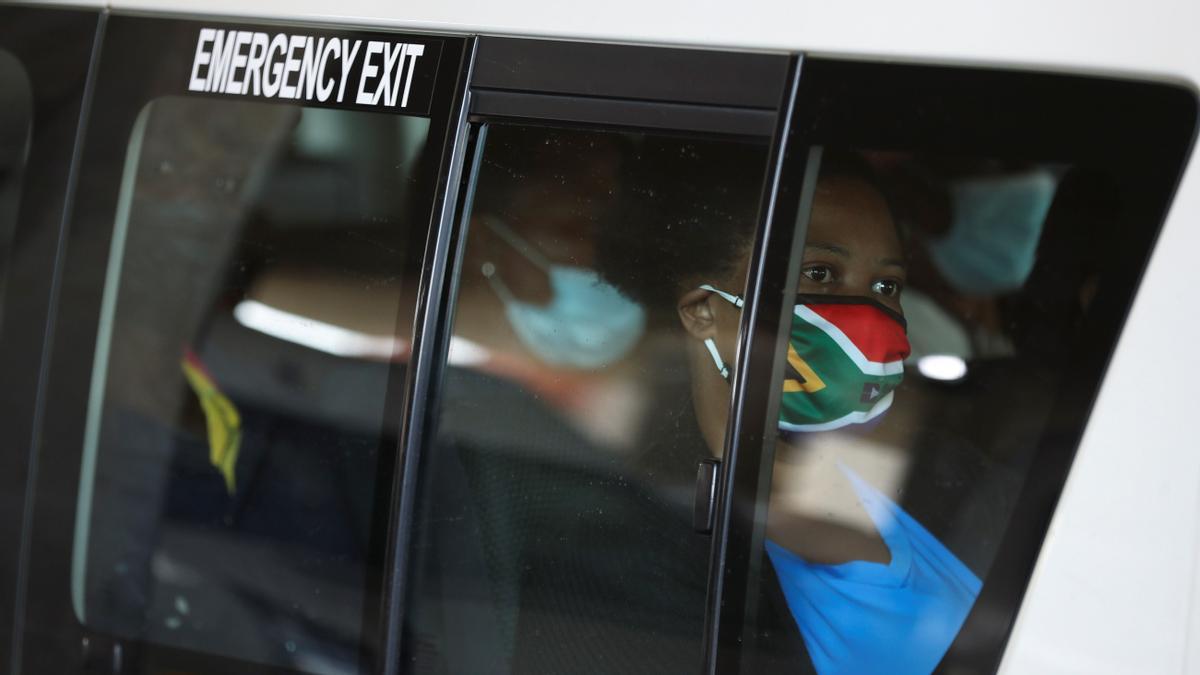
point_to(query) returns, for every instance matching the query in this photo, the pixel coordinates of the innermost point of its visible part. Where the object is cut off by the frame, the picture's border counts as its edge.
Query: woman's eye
(886, 287)
(821, 274)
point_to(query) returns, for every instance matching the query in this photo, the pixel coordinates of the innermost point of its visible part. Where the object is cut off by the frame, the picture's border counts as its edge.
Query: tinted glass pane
(16, 127)
(942, 307)
(260, 262)
(555, 524)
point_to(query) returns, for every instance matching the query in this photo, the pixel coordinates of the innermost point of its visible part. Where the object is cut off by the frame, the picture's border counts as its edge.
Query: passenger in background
(530, 304)
(539, 531)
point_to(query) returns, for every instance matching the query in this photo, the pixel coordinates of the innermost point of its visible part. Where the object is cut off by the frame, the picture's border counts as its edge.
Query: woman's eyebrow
(894, 262)
(831, 248)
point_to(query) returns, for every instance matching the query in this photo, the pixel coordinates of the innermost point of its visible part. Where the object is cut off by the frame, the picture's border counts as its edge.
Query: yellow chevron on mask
(808, 381)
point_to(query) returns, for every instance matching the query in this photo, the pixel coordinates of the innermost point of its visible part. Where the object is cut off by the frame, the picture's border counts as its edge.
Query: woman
(863, 584)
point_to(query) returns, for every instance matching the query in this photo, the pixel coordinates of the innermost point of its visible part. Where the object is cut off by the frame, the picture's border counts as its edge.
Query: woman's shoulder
(775, 644)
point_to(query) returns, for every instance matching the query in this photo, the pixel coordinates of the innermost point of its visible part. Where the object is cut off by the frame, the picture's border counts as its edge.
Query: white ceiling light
(340, 341)
(944, 367)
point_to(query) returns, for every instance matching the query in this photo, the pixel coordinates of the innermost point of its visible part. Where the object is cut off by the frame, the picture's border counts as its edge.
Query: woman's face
(852, 247)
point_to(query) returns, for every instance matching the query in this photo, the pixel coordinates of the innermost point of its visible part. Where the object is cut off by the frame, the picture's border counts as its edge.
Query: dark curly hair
(548, 160)
(688, 213)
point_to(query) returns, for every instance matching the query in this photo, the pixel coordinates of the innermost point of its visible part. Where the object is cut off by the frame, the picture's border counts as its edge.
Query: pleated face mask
(588, 323)
(845, 359)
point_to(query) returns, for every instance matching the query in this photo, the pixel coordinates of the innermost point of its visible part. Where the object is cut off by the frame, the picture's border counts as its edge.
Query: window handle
(704, 508)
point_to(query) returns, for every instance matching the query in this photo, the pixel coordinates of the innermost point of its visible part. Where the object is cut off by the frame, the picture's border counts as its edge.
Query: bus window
(260, 264)
(940, 352)
(556, 531)
(937, 303)
(944, 281)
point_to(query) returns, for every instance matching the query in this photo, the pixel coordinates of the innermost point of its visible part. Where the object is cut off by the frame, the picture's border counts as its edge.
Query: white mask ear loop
(514, 240)
(716, 356)
(489, 272)
(735, 300)
(712, 346)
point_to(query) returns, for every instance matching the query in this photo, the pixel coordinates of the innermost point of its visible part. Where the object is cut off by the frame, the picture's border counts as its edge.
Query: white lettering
(390, 56)
(413, 52)
(368, 72)
(272, 69)
(393, 89)
(308, 67)
(233, 85)
(303, 67)
(348, 56)
(333, 47)
(254, 65)
(202, 58)
(291, 65)
(222, 55)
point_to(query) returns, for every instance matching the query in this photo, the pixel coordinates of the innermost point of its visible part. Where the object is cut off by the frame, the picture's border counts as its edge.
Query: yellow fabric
(811, 382)
(224, 423)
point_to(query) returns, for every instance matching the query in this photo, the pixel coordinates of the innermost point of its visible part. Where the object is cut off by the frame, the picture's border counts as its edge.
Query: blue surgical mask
(587, 323)
(992, 243)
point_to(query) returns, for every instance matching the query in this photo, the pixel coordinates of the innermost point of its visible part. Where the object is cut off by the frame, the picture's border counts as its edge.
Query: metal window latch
(704, 508)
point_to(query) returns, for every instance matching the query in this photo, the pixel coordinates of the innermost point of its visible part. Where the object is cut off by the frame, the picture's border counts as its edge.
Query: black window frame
(580, 85)
(59, 79)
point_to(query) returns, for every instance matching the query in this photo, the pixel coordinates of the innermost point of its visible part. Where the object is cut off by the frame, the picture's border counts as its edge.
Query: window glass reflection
(260, 263)
(939, 306)
(16, 127)
(556, 519)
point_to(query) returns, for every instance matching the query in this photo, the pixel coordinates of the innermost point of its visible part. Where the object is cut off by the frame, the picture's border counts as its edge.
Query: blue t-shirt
(866, 617)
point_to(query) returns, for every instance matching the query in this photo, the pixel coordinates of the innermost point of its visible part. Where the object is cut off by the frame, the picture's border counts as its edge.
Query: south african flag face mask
(845, 359)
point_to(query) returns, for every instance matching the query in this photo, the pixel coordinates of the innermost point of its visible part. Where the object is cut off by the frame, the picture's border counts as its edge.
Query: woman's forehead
(848, 215)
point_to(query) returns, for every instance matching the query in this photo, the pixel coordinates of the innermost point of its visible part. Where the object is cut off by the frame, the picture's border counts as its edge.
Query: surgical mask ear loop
(735, 300)
(489, 272)
(521, 246)
(716, 356)
(712, 346)
(517, 242)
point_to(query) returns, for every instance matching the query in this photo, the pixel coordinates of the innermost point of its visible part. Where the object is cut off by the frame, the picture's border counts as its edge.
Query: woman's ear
(696, 314)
